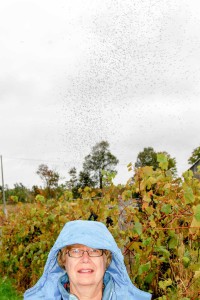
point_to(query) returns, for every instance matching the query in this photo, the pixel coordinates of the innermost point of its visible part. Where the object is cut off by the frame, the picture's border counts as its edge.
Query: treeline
(99, 168)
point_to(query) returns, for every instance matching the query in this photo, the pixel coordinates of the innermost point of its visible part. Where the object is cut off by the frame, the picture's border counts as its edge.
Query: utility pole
(3, 191)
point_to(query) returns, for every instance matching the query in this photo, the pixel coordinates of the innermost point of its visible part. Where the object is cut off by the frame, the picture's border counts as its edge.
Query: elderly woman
(85, 263)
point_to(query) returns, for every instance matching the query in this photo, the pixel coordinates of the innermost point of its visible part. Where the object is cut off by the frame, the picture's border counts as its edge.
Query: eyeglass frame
(83, 251)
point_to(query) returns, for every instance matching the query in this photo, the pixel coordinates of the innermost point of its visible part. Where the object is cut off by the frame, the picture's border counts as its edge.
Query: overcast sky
(74, 72)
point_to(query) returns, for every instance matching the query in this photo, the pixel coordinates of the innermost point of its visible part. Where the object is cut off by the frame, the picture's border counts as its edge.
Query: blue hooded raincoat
(118, 285)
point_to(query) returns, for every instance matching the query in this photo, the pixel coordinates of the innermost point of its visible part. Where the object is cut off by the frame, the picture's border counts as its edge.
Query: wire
(52, 161)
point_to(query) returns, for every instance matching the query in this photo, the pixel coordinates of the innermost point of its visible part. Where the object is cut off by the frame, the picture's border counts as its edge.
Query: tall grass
(7, 292)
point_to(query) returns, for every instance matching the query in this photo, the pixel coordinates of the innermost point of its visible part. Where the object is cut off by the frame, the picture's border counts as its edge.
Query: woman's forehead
(77, 246)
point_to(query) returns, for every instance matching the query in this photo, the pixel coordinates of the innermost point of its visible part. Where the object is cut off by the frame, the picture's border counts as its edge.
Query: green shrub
(160, 238)
(7, 291)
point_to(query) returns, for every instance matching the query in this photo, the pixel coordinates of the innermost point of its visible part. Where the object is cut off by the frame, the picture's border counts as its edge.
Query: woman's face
(85, 270)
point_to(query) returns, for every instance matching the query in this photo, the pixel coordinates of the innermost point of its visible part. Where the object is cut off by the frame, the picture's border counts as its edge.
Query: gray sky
(73, 73)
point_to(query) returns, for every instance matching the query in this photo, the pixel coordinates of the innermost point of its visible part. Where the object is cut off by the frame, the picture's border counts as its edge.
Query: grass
(7, 292)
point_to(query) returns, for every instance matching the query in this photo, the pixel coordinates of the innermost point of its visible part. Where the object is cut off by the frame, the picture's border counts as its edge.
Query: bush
(159, 239)
(7, 291)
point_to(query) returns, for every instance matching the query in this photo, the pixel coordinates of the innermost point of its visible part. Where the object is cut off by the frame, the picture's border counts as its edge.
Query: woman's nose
(85, 256)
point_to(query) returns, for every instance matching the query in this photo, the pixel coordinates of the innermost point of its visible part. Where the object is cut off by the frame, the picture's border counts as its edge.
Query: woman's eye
(76, 250)
(94, 250)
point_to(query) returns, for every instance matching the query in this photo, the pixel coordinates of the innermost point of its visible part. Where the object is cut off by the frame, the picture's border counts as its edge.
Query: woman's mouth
(85, 271)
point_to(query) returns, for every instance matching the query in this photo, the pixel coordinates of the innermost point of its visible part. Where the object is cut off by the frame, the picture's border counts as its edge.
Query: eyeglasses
(79, 252)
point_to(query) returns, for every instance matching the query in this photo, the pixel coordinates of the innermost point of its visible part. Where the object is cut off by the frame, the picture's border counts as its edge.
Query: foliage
(85, 180)
(49, 177)
(100, 159)
(148, 157)
(167, 231)
(195, 156)
(7, 291)
(95, 167)
(160, 239)
(76, 183)
(72, 183)
(18, 193)
(36, 190)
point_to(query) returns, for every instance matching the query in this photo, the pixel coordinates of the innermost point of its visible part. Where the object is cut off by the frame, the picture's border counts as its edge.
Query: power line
(52, 161)
(39, 160)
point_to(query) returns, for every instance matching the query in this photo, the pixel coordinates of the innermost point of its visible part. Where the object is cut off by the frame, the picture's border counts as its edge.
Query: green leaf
(163, 161)
(164, 284)
(147, 241)
(186, 261)
(163, 251)
(144, 268)
(138, 228)
(188, 195)
(173, 243)
(166, 208)
(188, 174)
(197, 274)
(149, 278)
(40, 198)
(197, 212)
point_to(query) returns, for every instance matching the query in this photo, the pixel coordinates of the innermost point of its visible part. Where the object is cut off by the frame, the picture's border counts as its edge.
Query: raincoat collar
(107, 293)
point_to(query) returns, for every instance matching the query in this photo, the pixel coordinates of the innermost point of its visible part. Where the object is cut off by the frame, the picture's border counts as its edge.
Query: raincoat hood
(95, 235)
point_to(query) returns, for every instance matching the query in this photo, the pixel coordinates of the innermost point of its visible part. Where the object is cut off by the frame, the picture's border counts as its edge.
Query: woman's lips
(85, 271)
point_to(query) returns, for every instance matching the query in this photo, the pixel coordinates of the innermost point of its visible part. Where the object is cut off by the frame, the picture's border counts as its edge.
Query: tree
(76, 182)
(49, 177)
(195, 156)
(72, 183)
(19, 193)
(85, 180)
(171, 162)
(100, 159)
(148, 157)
